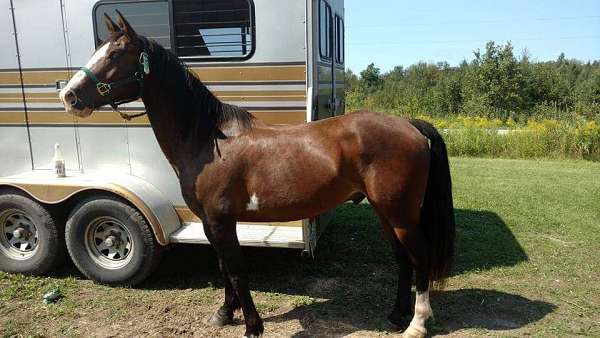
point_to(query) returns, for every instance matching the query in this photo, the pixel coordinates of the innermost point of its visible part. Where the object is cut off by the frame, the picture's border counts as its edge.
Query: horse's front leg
(223, 238)
(224, 316)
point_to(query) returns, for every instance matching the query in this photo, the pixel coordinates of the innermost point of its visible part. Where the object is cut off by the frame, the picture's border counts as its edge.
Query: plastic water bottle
(59, 162)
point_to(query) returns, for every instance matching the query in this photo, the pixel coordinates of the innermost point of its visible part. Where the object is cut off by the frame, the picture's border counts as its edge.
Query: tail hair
(437, 212)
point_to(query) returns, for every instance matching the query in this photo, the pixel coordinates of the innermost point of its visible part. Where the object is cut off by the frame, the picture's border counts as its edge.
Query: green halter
(104, 89)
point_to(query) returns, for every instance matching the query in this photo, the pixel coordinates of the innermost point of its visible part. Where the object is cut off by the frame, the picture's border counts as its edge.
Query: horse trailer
(283, 61)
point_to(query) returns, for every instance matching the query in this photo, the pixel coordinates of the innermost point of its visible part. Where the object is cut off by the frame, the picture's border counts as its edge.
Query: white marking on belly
(253, 204)
(422, 313)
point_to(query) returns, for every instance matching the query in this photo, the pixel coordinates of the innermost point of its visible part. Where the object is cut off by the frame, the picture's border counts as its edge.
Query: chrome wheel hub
(109, 243)
(18, 234)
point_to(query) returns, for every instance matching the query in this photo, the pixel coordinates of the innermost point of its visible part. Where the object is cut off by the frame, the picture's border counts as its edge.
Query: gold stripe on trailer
(111, 118)
(208, 74)
(294, 73)
(12, 117)
(187, 216)
(227, 96)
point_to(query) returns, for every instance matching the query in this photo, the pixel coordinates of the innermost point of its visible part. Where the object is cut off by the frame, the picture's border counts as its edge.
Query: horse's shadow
(454, 311)
(350, 286)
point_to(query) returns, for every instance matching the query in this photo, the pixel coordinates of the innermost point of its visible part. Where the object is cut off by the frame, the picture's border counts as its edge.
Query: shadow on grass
(454, 310)
(354, 239)
(351, 284)
(484, 241)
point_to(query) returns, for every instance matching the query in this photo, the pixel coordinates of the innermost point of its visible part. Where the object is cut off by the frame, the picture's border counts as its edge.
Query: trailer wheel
(30, 242)
(110, 242)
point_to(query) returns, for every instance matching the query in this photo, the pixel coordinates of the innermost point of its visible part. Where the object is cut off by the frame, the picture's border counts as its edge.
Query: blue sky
(403, 32)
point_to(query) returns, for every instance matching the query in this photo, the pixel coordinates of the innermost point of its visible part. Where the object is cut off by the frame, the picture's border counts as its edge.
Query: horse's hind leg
(402, 312)
(398, 204)
(413, 240)
(411, 255)
(422, 307)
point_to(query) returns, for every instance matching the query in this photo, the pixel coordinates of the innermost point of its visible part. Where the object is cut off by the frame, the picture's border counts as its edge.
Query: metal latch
(60, 84)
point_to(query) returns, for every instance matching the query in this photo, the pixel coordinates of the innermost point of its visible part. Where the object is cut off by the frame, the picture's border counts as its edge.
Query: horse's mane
(195, 106)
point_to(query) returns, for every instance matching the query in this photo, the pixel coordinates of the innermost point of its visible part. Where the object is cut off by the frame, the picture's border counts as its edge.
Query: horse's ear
(110, 25)
(125, 26)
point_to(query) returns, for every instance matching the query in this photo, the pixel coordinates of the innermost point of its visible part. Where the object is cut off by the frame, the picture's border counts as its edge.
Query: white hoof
(414, 332)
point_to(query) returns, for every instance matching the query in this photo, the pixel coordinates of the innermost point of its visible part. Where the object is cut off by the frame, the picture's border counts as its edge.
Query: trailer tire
(110, 242)
(30, 241)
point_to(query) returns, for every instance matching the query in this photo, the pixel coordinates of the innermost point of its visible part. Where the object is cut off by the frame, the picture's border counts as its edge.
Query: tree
(351, 80)
(370, 79)
(494, 83)
(396, 74)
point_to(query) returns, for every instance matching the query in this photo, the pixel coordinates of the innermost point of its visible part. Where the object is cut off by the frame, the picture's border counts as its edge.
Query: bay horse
(232, 167)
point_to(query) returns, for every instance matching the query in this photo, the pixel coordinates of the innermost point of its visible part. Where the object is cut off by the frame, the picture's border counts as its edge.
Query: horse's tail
(437, 212)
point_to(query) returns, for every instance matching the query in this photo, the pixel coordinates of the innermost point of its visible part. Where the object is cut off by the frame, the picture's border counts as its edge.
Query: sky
(403, 32)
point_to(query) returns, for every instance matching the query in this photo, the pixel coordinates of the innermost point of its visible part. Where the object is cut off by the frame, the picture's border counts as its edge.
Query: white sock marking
(422, 313)
(253, 204)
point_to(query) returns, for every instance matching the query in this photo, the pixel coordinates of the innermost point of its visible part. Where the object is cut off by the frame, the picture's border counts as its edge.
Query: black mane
(195, 106)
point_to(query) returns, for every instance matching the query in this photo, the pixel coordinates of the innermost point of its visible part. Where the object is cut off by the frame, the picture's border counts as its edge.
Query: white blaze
(80, 75)
(422, 313)
(253, 204)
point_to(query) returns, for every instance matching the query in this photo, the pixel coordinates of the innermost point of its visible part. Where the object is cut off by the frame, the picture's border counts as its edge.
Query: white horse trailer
(282, 60)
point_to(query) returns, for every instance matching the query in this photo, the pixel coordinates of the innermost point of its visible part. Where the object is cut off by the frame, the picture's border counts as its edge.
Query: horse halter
(104, 89)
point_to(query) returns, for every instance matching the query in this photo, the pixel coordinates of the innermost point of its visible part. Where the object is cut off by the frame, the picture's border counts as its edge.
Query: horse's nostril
(71, 98)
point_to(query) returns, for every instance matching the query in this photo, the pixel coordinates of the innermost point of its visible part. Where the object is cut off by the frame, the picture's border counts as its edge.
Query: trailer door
(324, 60)
(43, 56)
(338, 69)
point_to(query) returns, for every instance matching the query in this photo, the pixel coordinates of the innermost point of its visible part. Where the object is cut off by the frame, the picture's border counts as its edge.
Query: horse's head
(113, 75)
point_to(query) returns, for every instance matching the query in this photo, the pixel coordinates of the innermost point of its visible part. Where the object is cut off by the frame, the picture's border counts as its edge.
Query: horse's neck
(162, 113)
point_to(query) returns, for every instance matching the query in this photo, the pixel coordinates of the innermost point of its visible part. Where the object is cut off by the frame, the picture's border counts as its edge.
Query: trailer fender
(44, 187)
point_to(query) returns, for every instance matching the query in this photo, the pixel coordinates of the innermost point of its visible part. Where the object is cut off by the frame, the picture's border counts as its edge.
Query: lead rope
(129, 117)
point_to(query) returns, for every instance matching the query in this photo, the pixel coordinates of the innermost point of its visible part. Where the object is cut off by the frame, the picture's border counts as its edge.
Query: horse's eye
(115, 55)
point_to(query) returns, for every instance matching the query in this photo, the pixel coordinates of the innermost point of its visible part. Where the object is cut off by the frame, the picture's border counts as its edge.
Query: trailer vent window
(213, 28)
(339, 38)
(148, 18)
(325, 31)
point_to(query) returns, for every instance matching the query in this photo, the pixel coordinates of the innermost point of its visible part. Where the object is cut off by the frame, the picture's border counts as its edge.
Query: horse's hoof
(255, 331)
(399, 321)
(220, 319)
(413, 332)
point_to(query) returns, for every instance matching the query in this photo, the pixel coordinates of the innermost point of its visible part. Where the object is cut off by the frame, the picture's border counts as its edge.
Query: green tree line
(494, 84)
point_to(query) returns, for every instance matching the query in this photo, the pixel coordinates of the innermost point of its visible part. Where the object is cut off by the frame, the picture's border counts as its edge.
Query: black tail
(437, 213)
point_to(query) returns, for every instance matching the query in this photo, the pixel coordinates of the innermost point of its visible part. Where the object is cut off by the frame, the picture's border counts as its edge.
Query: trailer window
(325, 30)
(148, 18)
(339, 41)
(213, 28)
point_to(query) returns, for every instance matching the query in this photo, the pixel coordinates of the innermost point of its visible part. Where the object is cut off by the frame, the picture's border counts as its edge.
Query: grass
(526, 264)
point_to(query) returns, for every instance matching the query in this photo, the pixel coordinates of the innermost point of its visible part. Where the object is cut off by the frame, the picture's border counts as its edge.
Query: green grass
(527, 263)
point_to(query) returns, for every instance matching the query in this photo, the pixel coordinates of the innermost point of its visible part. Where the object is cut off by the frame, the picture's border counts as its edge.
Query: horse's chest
(210, 184)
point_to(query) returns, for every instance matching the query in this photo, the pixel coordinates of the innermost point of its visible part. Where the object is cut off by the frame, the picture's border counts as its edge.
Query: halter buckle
(103, 88)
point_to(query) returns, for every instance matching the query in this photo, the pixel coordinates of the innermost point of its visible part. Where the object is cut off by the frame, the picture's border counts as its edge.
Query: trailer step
(248, 235)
